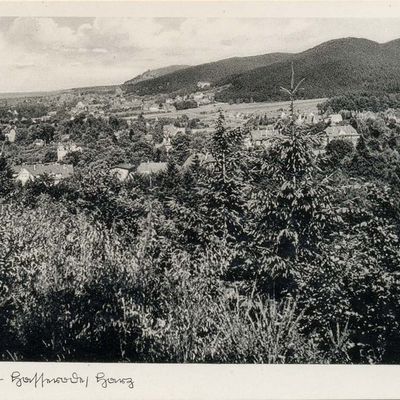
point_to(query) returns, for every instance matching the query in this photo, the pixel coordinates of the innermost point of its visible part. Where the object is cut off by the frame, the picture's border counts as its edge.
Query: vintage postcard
(200, 200)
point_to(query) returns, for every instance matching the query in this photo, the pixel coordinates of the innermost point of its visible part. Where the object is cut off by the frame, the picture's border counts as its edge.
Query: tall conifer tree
(223, 185)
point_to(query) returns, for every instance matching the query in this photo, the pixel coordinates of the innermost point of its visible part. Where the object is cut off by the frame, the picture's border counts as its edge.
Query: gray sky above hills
(55, 53)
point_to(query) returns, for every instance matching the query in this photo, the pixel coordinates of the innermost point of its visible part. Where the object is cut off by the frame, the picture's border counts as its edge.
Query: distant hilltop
(155, 73)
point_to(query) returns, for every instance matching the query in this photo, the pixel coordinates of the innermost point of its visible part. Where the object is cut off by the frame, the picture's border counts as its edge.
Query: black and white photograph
(200, 189)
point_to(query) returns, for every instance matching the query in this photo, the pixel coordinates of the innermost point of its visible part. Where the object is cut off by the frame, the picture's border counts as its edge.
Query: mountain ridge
(333, 67)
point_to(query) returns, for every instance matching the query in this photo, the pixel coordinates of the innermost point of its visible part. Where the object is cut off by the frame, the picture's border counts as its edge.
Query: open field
(210, 111)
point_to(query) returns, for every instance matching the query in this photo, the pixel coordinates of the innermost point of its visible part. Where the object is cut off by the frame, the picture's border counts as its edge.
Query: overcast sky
(56, 53)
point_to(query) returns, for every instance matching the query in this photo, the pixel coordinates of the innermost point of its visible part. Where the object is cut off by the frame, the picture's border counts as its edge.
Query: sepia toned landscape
(238, 209)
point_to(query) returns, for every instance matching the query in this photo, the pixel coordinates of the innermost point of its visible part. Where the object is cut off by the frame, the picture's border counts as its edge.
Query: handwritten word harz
(106, 381)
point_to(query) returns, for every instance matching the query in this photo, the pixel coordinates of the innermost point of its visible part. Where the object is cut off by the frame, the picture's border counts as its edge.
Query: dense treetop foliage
(361, 102)
(24, 110)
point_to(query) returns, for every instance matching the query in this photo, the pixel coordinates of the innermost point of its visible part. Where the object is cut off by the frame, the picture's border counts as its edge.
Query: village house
(11, 135)
(335, 119)
(197, 96)
(203, 85)
(151, 107)
(95, 109)
(168, 107)
(118, 134)
(118, 91)
(148, 138)
(247, 143)
(204, 160)
(65, 148)
(135, 103)
(205, 130)
(365, 115)
(179, 98)
(148, 168)
(261, 137)
(79, 108)
(14, 113)
(345, 132)
(123, 171)
(166, 143)
(202, 98)
(309, 119)
(29, 172)
(172, 131)
(39, 142)
(207, 99)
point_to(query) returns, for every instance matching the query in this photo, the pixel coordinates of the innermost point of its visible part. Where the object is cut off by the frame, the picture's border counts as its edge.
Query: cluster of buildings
(337, 130)
(151, 106)
(123, 104)
(262, 137)
(94, 109)
(100, 104)
(202, 98)
(58, 171)
(125, 171)
(34, 120)
(169, 104)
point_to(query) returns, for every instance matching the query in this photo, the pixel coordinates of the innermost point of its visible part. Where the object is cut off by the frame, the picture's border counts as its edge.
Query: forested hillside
(332, 68)
(337, 67)
(186, 79)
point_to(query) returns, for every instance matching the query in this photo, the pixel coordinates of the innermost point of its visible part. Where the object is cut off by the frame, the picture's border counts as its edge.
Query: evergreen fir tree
(222, 187)
(292, 210)
(172, 180)
(6, 177)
